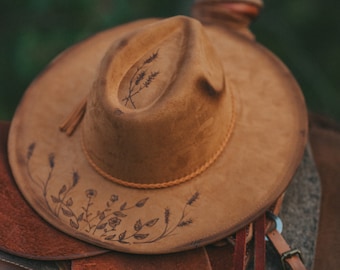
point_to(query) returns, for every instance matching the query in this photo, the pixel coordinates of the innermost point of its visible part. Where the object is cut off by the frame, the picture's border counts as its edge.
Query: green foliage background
(304, 34)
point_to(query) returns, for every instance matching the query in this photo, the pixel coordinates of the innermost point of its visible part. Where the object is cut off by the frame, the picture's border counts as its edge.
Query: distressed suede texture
(141, 127)
(209, 126)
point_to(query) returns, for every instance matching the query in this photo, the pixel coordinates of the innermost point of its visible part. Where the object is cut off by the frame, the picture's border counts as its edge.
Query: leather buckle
(289, 254)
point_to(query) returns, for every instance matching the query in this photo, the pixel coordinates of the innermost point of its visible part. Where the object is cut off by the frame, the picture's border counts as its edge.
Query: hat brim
(253, 170)
(19, 221)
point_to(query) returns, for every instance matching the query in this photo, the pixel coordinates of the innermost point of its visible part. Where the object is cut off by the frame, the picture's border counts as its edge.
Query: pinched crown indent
(160, 111)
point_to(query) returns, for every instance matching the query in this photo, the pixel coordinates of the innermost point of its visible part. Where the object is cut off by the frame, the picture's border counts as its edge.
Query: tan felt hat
(176, 135)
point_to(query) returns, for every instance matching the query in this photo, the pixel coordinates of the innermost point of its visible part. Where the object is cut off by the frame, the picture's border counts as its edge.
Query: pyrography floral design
(105, 223)
(141, 80)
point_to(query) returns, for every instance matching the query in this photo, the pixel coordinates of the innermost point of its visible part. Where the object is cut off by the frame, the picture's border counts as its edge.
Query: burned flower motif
(104, 222)
(114, 198)
(114, 222)
(90, 193)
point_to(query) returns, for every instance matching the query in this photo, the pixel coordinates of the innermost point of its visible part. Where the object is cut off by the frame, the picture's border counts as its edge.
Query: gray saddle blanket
(300, 212)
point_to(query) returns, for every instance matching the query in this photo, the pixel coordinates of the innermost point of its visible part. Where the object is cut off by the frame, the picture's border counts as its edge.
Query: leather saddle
(28, 242)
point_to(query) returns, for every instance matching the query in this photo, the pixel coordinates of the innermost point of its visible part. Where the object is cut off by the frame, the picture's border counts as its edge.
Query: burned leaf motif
(119, 214)
(123, 206)
(74, 225)
(138, 225)
(80, 217)
(110, 237)
(152, 222)
(66, 212)
(101, 226)
(122, 236)
(62, 190)
(55, 199)
(141, 236)
(69, 202)
(141, 203)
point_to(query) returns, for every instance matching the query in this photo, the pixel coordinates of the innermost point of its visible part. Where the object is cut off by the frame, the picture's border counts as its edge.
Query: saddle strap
(289, 256)
(240, 250)
(260, 243)
(241, 254)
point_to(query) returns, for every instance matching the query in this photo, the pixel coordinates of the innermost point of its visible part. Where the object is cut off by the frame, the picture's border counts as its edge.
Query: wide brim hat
(212, 144)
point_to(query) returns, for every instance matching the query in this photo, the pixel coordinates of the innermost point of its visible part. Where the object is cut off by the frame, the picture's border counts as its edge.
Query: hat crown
(159, 111)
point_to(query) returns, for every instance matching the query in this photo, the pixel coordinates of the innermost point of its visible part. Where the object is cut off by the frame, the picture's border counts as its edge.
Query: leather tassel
(70, 124)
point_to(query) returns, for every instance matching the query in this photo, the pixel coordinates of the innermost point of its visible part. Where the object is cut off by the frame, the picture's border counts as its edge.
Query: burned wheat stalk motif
(182, 222)
(141, 80)
(41, 184)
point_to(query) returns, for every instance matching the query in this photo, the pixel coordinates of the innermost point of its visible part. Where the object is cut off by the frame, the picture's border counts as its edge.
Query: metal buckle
(288, 254)
(277, 221)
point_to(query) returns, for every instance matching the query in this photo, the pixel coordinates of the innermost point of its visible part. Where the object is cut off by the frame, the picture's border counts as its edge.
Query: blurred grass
(303, 33)
(306, 36)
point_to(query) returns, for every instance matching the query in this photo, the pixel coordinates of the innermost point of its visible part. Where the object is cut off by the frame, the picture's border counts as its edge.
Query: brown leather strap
(289, 256)
(260, 244)
(240, 250)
